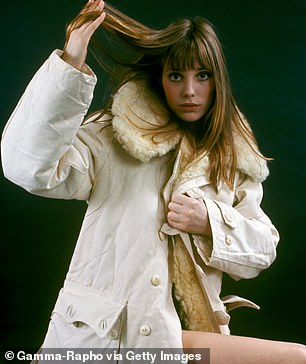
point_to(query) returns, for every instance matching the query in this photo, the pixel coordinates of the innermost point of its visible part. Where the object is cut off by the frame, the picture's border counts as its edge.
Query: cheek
(165, 86)
(169, 91)
(209, 93)
(212, 89)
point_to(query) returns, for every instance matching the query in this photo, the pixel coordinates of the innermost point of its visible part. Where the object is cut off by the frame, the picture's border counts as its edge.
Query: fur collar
(137, 112)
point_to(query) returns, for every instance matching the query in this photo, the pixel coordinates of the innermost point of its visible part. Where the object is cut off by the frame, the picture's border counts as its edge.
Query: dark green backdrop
(264, 43)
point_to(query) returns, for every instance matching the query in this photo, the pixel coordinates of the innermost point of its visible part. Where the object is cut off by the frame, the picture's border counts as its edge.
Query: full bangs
(189, 53)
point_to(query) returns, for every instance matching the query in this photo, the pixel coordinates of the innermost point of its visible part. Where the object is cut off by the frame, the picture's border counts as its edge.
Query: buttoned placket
(145, 329)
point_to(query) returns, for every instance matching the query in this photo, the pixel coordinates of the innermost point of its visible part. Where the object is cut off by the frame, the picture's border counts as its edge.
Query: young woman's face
(189, 94)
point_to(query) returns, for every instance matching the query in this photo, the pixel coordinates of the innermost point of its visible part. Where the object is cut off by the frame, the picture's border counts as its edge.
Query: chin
(190, 119)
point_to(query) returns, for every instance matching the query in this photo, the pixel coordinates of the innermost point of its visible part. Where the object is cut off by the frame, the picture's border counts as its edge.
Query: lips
(189, 106)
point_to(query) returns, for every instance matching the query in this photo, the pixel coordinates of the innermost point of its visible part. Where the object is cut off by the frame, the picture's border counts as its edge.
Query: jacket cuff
(62, 72)
(219, 251)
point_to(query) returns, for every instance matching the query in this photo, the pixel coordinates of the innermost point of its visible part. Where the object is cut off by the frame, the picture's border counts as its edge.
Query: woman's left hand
(189, 214)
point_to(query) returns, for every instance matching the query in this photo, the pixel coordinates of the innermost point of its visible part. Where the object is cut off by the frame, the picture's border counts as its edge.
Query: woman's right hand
(75, 50)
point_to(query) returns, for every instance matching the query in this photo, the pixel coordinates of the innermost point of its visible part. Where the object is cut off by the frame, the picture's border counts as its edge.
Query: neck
(196, 129)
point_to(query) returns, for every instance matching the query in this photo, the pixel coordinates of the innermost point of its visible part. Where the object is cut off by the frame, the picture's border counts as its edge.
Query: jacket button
(228, 240)
(155, 280)
(145, 330)
(114, 334)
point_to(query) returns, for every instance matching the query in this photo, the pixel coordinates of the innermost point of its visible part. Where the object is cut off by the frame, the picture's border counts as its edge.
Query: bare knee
(229, 348)
(300, 353)
(291, 353)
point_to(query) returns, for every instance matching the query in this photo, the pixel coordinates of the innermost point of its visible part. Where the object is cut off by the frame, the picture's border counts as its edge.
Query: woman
(172, 176)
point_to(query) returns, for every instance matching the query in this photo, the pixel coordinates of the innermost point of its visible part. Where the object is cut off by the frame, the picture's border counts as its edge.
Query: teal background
(264, 42)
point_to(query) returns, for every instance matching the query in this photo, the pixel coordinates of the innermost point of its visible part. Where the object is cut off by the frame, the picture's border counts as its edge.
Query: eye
(203, 75)
(175, 76)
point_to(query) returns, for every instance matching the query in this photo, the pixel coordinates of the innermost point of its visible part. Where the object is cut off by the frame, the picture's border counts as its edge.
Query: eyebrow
(178, 70)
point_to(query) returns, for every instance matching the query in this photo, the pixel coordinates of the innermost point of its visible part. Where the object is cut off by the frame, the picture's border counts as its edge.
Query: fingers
(98, 5)
(188, 214)
(181, 202)
(179, 210)
(93, 5)
(181, 199)
(92, 26)
(177, 204)
(174, 220)
(175, 207)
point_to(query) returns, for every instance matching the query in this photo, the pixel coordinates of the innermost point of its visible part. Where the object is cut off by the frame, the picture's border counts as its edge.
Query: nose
(188, 88)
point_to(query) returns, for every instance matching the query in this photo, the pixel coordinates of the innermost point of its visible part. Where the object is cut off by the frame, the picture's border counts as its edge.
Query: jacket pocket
(98, 312)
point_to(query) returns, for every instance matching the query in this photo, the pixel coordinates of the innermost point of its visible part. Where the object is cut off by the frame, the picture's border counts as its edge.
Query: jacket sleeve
(243, 239)
(44, 149)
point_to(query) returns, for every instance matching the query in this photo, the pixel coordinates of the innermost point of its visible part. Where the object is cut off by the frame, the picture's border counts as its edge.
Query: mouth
(189, 106)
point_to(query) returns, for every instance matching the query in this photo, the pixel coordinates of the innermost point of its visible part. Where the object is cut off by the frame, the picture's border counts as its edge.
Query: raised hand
(80, 31)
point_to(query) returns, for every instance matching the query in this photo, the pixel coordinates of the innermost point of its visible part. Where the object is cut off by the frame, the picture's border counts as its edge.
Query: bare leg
(229, 349)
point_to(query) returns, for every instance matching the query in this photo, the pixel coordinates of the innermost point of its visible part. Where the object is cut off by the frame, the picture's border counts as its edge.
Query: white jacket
(119, 285)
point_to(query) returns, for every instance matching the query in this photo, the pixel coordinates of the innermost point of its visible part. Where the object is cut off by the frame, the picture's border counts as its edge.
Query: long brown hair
(182, 45)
